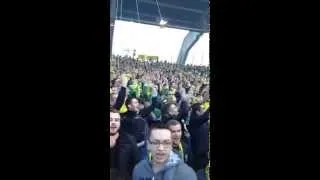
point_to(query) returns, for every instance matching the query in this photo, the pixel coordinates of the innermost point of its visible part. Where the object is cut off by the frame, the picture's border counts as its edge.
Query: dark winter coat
(126, 155)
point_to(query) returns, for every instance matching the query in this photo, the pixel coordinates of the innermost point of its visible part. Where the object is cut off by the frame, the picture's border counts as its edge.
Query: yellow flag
(123, 109)
(205, 106)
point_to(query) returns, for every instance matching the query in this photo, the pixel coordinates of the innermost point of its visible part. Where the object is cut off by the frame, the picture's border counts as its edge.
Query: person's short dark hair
(142, 101)
(128, 101)
(172, 122)
(113, 82)
(178, 95)
(203, 87)
(114, 110)
(139, 76)
(130, 81)
(167, 106)
(157, 126)
(196, 107)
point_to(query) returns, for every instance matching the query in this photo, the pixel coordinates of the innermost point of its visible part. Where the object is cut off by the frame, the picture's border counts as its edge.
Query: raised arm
(122, 93)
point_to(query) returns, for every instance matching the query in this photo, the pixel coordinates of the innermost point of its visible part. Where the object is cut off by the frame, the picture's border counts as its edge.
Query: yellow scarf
(181, 150)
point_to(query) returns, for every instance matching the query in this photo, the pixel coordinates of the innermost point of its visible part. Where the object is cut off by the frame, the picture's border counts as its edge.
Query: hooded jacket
(183, 151)
(126, 155)
(174, 169)
(199, 131)
(121, 99)
(134, 125)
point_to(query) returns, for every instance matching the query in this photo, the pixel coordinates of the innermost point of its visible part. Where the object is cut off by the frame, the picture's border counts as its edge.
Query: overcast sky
(156, 41)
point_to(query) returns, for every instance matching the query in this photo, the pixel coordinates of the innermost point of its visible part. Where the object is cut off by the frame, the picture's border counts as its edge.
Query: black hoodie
(135, 125)
(199, 131)
(125, 155)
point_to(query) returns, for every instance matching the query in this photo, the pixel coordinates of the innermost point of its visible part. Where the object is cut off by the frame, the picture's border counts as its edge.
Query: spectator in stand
(179, 146)
(199, 132)
(135, 124)
(163, 164)
(158, 92)
(170, 112)
(124, 153)
(118, 92)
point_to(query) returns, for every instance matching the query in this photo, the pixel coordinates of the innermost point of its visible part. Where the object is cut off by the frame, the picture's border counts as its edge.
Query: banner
(143, 57)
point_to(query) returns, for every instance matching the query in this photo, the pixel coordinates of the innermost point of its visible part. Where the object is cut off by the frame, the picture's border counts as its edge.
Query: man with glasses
(163, 163)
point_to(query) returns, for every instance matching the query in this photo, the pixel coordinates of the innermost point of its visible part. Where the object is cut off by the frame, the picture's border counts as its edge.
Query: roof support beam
(172, 6)
(168, 25)
(188, 42)
(155, 17)
(112, 20)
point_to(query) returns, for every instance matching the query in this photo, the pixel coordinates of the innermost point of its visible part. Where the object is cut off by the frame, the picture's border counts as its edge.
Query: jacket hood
(172, 161)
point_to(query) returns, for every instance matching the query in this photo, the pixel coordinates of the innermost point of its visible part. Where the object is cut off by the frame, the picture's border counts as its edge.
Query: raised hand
(124, 80)
(113, 140)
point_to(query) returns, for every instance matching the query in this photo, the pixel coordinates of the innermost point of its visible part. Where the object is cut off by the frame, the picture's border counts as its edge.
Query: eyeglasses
(165, 144)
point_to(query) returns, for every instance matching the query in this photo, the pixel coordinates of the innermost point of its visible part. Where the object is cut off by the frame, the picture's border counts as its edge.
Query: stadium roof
(183, 14)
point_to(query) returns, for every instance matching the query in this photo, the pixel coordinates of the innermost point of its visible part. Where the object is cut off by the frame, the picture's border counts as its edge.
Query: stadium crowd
(159, 120)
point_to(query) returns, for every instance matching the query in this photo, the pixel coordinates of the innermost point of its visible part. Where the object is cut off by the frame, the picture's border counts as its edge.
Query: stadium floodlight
(163, 22)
